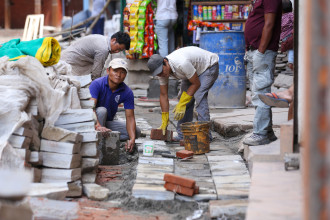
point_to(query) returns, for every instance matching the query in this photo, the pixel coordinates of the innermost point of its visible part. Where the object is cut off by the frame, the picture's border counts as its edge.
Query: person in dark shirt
(262, 35)
(110, 91)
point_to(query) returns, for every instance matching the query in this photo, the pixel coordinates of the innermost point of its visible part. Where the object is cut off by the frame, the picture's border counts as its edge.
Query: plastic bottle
(209, 13)
(218, 12)
(195, 14)
(223, 12)
(205, 13)
(214, 13)
(200, 12)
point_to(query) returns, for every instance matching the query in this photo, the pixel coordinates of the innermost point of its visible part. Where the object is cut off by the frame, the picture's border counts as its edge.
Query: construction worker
(89, 54)
(198, 69)
(107, 93)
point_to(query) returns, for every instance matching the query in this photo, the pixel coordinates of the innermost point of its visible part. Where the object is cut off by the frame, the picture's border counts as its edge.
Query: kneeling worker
(110, 91)
(198, 70)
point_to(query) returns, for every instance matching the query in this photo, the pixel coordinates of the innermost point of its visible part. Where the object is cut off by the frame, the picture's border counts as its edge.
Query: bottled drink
(205, 13)
(195, 13)
(209, 13)
(200, 12)
(214, 13)
(218, 12)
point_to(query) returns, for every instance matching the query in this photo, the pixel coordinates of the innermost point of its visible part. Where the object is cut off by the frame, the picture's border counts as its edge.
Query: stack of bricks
(180, 185)
(182, 154)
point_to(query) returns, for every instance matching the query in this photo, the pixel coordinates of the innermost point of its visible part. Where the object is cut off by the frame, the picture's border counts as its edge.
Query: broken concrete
(109, 149)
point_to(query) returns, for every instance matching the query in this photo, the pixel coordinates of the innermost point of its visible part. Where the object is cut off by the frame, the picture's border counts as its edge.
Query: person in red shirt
(262, 35)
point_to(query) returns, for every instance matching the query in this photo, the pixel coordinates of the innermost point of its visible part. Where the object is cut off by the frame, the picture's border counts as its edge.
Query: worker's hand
(164, 125)
(104, 131)
(180, 108)
(130, 145)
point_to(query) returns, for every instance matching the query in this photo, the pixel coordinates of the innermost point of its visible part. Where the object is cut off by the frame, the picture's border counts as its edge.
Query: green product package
(141, 24)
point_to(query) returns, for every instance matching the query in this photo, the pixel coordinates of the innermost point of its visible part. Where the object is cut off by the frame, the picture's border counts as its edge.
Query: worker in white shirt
(198, 69)
(166, 16)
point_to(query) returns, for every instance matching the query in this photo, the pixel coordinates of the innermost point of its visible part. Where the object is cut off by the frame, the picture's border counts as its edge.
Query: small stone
(95, 192)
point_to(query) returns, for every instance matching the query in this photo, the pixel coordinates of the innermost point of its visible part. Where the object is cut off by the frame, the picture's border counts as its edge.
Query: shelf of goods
(222, 12)
(139, 24)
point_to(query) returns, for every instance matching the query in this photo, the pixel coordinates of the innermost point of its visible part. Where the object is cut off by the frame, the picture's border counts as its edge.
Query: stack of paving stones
(283, 74)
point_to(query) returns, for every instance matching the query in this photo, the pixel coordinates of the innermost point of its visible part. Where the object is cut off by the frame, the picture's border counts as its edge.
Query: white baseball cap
(118, 63)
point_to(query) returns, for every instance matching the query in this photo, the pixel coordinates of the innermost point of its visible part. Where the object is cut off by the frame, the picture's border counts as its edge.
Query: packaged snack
(141, 36)
(139, 47)
(141, 24)
(126, 30)
(146, 38)
(150, 39)
(132, 47)
(142, 13)
(127, 8)
(150, 18)
(145, 52)
(145, 3)
(133, 36)
(151, 30)
(150, 50)
(155, 45)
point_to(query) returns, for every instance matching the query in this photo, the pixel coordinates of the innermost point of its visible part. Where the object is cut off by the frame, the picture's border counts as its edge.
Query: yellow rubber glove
(180, 108)
(164, 122)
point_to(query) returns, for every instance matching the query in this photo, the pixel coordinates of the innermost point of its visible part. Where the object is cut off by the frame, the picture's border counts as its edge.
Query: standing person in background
(166, 16)
(287, 31)
(97, 8)
(262, 35)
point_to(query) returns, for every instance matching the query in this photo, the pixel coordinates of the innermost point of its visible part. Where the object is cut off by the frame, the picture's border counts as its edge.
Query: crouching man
(198, 69)
(110, 91)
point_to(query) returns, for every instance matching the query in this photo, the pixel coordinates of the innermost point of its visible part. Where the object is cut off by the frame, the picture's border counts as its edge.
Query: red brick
(184, 154)
(157, 134)
(179, 189)
(170, 178)
(196, 191)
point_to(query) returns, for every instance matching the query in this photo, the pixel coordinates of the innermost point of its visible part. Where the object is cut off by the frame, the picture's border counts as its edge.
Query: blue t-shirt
(101, 91)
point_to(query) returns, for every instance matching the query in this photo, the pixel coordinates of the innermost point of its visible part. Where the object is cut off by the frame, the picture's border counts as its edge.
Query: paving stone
(156, 168)
(75, 189)
(55, 191)
(150, 181)
(230, 172)
(73, 116)
(150, 175)
(36, 175)
(224, 158)
(89, 149)
(229, 208)
(89, 164)
(192, 166)
(84, 93)
(60, 175)
(35, 158)
(56, 160)
(218, 180)
(60, 134)
(156, 161)
(17, 183)
(95, 192)
(89, 177)
(35, 141)
(157, 134)
(197, 197)
(79, 127)
(14, 158)
(227, 165)
(90, 136)
(60, 147)
(153, 192)
(87, 104)
(53, 209)
(84, 80)
(194, 173)
(233, 193)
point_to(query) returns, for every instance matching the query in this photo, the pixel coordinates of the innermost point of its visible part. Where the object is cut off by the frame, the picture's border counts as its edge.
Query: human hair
(122, 38)
(286, 6)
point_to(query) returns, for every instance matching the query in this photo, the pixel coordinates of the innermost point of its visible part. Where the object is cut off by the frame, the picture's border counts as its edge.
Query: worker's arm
(195, 84)
(267, 31)
(164, 106)
(105, 131)
(131, 128)
(164, 98)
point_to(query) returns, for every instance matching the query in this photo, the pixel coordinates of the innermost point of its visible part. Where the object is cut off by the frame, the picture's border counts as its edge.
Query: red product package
(151, 30)
(150, 18)
(145, 52)
(151, 50)
(150, 40)
(146, 30)
(146, 39)
(149, 9)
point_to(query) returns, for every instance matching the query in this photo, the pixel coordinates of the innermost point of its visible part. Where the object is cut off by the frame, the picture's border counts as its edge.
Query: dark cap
(155, 64)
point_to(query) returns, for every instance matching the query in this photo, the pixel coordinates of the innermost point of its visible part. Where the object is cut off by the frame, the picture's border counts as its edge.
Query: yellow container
(196, 136)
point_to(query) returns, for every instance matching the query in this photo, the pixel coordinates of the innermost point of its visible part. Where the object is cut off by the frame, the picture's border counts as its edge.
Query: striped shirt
(287, 25)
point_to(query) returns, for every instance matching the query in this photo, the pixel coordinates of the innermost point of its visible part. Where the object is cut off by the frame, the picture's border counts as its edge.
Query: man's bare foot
(286, 94)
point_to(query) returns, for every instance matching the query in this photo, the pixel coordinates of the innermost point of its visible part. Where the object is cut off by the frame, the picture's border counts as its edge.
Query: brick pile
(180, 185)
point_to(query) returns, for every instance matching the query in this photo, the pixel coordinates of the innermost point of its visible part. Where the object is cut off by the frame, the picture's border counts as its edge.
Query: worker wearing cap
(198, 69)
(110, 91)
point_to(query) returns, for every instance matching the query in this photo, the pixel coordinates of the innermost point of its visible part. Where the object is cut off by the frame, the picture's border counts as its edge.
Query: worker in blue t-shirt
(108, 92)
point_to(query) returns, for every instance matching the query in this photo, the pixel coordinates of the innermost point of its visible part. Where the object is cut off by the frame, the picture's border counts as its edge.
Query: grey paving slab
(150, 181)
(224, 158)
(230, 172)
(197, 197)
(230, 208)
(193, 173)
(193, 166)
(150, 175)
(218, 180)
(152, 167)
(153, 192)
(227, 165)
(157, 161)
(233, 193)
